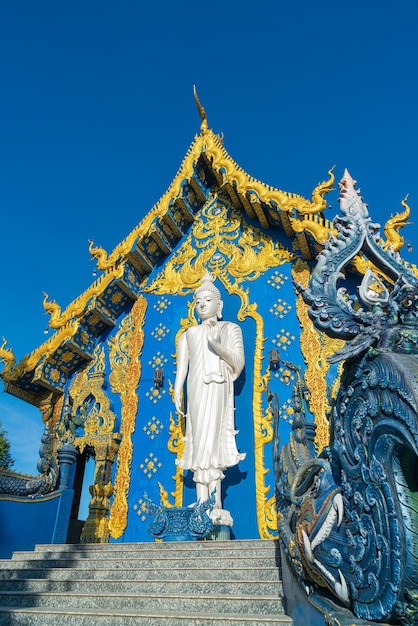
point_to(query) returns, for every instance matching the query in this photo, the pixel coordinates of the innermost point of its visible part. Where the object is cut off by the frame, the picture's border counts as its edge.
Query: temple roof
(206, 169)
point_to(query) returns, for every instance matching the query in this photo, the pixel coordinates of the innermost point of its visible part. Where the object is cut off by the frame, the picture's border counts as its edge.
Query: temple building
(104, 379)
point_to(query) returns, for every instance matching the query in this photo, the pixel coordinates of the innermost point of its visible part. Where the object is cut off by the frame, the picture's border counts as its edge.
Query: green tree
(6, 460)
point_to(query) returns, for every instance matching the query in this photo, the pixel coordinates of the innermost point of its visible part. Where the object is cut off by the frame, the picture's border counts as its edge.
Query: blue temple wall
(27, 522)
(271, 296)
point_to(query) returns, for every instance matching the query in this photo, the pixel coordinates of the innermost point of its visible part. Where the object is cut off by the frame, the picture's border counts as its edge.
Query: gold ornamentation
(154, 394)
(227, 245)
(315, 348)
(77, 307)
(96, 527)
(211, 145)
(162, 305)
(8, 358)
(160, 332)
(164, 497)
(276, 280)
(271, 513)
(280, 308)
(118, 356)
(315, 374)
(176, 446)
(128, 384)
(263, 431)
(158, 360)
(283, 340)
(361, 264)
(287, 411)
(150, 465)
(153, 427)
(176, 429)
(91, 404)
(392, 226)
(101, 256)
(204, 124)
(140, 507)
(29, 362)
(286, 202)
(393, 240)
(314, 224)
(88, 395)
(46, 408)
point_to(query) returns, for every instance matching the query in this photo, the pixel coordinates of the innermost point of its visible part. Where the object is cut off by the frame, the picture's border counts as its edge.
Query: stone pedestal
(220, 533)
(180, 523)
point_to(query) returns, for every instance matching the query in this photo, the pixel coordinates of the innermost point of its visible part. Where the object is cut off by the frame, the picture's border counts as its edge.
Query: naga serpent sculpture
(348, 518)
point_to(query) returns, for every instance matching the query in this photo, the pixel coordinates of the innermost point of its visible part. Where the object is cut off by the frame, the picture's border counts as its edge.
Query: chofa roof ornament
(202, 112)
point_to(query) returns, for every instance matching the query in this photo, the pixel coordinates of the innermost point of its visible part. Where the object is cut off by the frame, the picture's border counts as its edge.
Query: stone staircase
(209, 583)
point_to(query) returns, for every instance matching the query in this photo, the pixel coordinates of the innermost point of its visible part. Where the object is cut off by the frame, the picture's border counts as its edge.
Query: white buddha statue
(211, 357)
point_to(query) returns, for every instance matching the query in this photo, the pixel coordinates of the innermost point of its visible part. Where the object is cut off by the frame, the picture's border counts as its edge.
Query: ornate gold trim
(8, 358)
(314, 224)
(119, 355)
(392, 226)
(176, 446)
(263, 430)
(245, 255)
(29, 362)
(77, 306)
(99, 418)
(315, 348)
(129, 399)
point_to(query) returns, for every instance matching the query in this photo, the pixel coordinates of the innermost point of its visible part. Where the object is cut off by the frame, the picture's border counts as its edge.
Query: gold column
(96, 527)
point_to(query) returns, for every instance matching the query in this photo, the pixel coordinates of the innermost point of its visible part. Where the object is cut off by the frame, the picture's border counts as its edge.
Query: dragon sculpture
(193, 522)
(15, 484)
(348, 518)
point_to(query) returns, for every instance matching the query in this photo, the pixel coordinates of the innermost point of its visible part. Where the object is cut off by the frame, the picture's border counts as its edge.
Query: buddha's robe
(209, 442)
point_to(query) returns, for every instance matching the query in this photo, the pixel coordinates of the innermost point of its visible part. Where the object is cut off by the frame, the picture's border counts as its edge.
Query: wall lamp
(274, 358)
(158, 378)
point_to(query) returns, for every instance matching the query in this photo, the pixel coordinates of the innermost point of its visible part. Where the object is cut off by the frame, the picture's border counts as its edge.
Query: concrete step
(81, 552)
(157, 573)
(180, 587)
(199, 603)
(158, 546)
(10, 616)
(225, 583)
(139, 563)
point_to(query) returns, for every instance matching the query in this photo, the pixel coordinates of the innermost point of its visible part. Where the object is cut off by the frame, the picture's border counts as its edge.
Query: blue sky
(97, 112)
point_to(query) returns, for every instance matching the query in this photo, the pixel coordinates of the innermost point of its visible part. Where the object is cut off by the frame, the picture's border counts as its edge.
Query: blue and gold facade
(111, 361)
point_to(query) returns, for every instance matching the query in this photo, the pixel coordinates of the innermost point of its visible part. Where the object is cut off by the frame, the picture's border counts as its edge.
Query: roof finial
(204, 124)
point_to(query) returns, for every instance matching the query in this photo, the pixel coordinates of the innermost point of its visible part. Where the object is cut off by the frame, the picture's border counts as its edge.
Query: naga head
(405, 301)
(318, 511)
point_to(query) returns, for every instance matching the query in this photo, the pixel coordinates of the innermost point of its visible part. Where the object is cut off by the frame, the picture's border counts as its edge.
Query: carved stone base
(220, 533)
(180, 523)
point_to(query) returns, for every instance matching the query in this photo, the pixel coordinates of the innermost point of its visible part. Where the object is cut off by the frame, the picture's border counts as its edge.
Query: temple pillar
(96, 527)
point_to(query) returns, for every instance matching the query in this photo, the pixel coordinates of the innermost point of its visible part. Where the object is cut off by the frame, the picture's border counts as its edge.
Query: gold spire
(204, 124)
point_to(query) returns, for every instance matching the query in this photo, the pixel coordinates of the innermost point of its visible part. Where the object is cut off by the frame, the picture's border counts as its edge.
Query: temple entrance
(83, 478)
